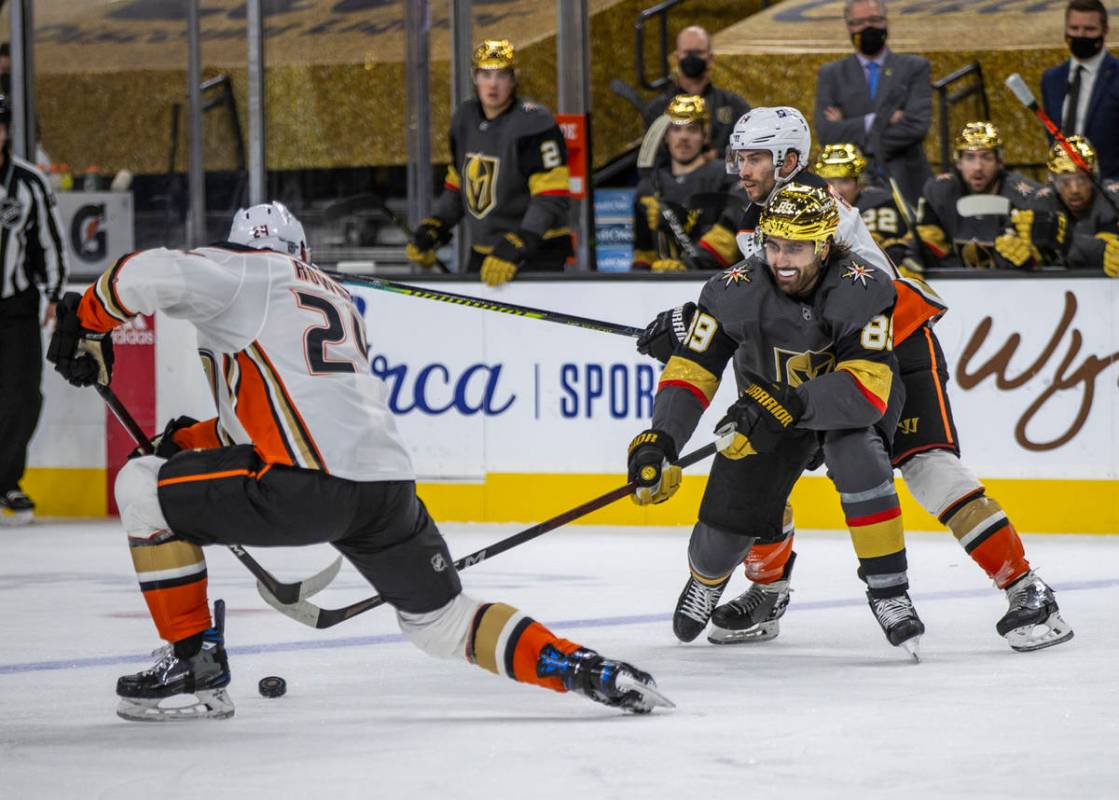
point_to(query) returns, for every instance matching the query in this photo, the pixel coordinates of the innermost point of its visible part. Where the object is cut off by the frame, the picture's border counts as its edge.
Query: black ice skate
(753, 615)
(899, 622)
(694, 607)
(203, 675)
(16, 508)
(1033, 620)
(613, 683)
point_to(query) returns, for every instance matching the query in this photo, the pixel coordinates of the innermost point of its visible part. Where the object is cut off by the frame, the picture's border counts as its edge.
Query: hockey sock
(506, 642)
(765, 563)
(172, 574)
(874, 520)
(984, 531)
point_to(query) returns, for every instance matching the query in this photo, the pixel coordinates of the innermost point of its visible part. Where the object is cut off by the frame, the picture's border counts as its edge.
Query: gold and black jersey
(835, 346)
(507, 174)
(1085, 250)
(886, 224)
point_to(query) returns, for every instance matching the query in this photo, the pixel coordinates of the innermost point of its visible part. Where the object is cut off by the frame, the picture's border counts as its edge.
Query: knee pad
(938, 479)
(442, 633)
(136, 491)
(714, 553)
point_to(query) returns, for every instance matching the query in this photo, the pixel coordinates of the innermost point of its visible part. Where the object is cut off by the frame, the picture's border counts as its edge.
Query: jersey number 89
(878, 334)
(703, 327)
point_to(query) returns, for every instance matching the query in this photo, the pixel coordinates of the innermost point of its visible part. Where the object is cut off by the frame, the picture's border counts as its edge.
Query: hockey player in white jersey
(303, 450)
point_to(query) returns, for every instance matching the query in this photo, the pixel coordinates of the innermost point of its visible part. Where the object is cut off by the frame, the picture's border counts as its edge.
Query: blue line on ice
(597, 622)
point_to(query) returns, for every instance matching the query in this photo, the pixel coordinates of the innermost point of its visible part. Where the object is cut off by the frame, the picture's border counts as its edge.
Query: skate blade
(913, 647)
(15, 519)
(651, 696)
(758, 633)
(1028, 638)
(210, 704)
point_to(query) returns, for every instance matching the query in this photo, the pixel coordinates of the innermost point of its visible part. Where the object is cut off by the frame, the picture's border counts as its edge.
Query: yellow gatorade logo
(479, 187)
(767, 401)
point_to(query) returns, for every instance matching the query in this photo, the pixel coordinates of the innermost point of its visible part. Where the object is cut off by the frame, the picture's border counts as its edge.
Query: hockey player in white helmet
(768, 148)
(303, 450)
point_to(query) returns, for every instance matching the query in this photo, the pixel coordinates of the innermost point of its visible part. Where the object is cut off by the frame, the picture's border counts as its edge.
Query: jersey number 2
(319, 339)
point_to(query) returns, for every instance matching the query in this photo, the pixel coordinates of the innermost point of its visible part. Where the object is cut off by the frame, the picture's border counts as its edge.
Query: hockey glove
(1014, 249)
(501, 265)
(1110, 254)
(757, 422)
(429, 236)
(1044, 230)
(669, 265)
(651, 454)
(660, 337)
(165, 444)
(81, 356)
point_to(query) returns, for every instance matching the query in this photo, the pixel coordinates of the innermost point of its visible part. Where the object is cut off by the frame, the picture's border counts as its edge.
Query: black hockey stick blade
(284, 592)
(315, 617)
(482, 304)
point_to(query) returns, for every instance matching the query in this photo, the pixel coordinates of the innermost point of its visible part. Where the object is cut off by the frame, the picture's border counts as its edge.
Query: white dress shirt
(1087, 82)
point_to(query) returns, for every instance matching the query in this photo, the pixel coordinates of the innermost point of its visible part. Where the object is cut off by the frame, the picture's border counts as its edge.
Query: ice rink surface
(826, 710)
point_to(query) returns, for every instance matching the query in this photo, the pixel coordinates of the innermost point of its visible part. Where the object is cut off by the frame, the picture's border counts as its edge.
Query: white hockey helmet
(270, 226)
(779, 130)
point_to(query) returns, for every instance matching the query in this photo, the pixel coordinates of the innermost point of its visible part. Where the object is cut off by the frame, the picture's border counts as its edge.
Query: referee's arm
(49, 229)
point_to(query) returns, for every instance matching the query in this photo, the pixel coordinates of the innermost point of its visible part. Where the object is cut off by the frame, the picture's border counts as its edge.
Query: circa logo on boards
(1064, 376)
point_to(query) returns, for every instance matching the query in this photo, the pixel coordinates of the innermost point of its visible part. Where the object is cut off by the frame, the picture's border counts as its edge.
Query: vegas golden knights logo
(480, 183)
(796, 368)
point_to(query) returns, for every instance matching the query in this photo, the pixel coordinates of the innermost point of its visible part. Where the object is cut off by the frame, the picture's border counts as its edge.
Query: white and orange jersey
(283, 347)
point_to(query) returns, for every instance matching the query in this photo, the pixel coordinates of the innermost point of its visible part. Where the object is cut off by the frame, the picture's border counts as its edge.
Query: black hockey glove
(79, 355)
(660, 337)
(431, 234)
(757, 422)
(651, 454)
(165, 444)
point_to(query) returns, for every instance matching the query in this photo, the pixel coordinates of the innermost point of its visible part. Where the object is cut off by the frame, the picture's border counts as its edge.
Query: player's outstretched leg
(947, 488)
(172, 575)
(753, 615)
(502, 640)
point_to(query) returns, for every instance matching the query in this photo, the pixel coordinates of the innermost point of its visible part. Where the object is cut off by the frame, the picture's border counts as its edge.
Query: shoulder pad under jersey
(856, 291)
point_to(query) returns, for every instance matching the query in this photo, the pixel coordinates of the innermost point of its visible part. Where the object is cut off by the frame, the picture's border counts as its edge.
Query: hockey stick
(266, 581)
(315, 617)
(374, 201)
(484, 305)
(1020, 90)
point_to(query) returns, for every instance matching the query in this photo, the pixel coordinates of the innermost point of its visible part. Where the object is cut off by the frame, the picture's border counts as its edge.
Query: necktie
(1069, 124)
(872, 78)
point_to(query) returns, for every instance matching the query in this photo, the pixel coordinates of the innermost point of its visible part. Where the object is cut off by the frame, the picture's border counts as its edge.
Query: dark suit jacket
(899, 148)
(1102, 129)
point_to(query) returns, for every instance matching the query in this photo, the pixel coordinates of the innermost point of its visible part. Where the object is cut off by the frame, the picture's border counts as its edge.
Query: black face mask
(870, 41)
(692, 65)
(1084, 47)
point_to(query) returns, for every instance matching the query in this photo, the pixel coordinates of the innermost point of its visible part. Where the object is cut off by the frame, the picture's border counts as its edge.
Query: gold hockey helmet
(801, 213)
(495, 54)
(1061, 164)
(978, 136)
(687, 108)
(840, 161)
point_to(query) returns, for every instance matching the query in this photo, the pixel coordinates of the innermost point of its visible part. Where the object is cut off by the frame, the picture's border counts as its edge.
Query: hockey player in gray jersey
(809, 329)
(668, 222)
(507, 181)
(768, 150)
(1094, 235)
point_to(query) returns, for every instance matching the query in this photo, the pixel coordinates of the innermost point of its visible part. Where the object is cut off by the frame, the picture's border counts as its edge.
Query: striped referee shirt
(30, 231)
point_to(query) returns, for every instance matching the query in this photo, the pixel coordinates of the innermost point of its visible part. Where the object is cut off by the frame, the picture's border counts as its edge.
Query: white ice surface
(828, 709)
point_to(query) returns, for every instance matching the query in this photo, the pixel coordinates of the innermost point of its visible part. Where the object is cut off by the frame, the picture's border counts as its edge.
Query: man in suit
(1090, 78)
(877, 100)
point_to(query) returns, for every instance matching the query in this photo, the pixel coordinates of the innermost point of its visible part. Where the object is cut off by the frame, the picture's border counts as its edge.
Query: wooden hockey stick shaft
(313, 616)
(485, 305)
(283, 592)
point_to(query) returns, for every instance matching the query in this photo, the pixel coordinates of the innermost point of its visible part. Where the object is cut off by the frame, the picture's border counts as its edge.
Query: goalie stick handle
(328, 617)
(486, 305)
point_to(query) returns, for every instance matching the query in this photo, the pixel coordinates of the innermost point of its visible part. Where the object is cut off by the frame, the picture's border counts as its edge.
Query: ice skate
(694, 608)
(613, 683)
(753, 615)
(203, 676)
(899, 621)
(1033, 620)
(16, 508)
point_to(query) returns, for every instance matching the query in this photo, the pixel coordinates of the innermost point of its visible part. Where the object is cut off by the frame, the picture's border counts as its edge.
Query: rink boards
(512, 419)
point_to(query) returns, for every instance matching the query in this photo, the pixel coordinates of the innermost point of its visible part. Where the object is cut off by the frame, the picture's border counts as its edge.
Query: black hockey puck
(272, 686)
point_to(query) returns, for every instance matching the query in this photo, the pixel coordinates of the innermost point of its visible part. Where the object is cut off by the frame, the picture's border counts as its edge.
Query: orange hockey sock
(172, 574)
(986, 534)
(765, 563)
(506, 642)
